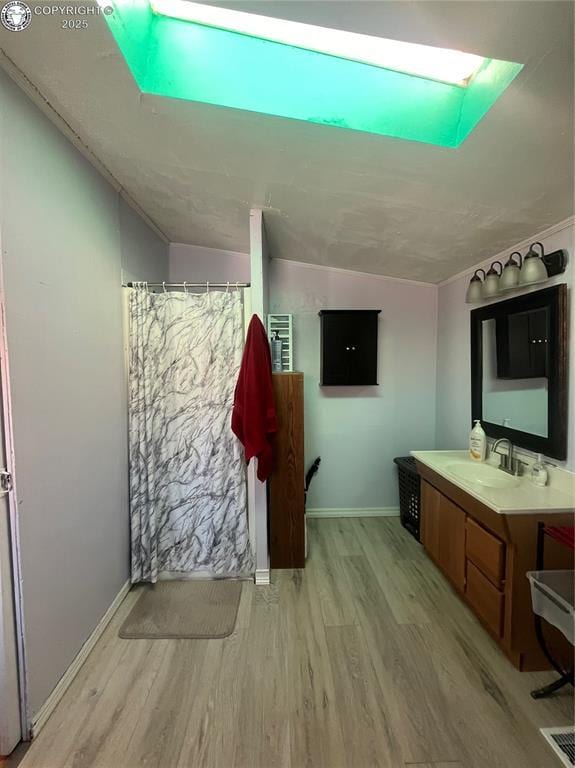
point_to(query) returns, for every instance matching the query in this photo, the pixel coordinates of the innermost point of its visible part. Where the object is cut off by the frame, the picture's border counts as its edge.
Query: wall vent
(283, 324)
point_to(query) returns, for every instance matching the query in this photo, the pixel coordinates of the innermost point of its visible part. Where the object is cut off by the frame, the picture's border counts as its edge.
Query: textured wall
(65, 234)
(197, 264)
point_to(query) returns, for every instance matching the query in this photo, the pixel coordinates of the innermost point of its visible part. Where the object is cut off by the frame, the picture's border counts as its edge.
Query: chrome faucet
(507, 461)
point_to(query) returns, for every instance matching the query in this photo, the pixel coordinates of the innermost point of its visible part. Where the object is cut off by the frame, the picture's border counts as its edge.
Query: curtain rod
(206, 284)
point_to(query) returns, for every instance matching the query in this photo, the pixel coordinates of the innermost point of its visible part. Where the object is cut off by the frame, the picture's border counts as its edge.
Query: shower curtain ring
(164, 286)
(228, 287)
(185, 287)
(207, 286)
(237, 286)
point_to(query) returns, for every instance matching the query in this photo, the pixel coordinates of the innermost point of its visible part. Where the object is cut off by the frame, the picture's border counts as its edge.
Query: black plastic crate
(409, 493)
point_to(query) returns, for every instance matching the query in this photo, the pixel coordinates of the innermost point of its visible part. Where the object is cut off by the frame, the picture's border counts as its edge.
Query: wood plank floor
(366, 659)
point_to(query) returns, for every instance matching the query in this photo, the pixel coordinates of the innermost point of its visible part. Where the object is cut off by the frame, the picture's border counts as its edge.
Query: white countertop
(523, 499)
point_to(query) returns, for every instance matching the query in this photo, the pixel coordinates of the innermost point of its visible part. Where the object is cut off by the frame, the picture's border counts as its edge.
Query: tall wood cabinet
(286, 509)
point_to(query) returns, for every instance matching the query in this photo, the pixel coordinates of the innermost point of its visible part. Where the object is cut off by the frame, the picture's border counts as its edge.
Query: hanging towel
(254, 419)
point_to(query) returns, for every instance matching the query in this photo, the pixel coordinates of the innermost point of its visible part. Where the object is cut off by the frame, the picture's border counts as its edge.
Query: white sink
(482, 474)
(503, 493)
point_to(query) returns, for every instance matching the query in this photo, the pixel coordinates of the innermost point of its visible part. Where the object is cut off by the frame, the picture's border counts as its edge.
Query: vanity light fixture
(533, 269)
(475, 288)
(491, 282)
(511, 271)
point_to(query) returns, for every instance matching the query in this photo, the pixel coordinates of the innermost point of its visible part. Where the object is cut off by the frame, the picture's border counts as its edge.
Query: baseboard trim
(40, 718)
(262, 577)
(369, 512)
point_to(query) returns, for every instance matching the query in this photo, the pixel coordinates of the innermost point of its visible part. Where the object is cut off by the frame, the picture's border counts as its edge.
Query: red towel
(254, 419)
(564, 533)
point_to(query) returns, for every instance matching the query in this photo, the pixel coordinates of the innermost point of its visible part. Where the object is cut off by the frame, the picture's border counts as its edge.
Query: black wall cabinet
(522, 344)
(348, 347)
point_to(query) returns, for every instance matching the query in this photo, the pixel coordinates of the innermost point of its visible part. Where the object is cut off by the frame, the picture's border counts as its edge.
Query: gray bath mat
(184, 610)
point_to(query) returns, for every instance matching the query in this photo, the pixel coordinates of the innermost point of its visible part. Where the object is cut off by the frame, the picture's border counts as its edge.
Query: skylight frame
(183, 60)
(442, 65)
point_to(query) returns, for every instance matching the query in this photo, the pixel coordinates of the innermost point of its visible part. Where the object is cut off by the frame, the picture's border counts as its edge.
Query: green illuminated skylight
(195, 52)
(422, 60)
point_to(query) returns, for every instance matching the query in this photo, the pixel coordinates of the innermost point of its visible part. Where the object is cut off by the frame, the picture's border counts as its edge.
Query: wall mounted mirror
(519, 370)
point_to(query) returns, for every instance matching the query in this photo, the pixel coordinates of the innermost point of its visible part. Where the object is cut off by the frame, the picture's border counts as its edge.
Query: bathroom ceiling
(333, 196)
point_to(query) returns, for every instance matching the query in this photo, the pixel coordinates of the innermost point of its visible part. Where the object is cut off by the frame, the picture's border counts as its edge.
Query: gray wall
(195, 263)
(66, 237)
(358, 431)
(143, 255)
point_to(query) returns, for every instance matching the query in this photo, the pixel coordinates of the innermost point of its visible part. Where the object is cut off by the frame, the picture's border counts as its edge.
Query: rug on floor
(184, 610)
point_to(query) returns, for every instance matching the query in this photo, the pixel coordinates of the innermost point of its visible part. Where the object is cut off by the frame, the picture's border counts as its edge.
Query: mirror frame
(555, 300)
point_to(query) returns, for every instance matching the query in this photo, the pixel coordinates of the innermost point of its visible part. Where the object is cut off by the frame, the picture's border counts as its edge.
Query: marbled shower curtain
(187, 476)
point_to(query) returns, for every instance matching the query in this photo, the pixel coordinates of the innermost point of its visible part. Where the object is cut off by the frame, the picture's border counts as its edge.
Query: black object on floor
(310, 473)
(409, 493)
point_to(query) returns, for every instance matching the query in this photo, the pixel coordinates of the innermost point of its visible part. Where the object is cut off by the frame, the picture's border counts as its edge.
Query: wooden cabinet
(286, 509)
(522, 344)
(443, 534)
(452, 542)
(348, 347)
(485, 599)
(486, 557)
(486, 551)
(430, 501)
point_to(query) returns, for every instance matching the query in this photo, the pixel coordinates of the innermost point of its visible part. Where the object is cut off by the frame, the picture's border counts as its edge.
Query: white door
(13, 703)
(10, 702)
(9, 687)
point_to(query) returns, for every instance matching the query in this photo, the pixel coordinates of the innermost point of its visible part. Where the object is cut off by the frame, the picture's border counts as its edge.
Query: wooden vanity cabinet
(486, 556)
(430, 525)
(443, 534)
(486, 600)
(486, 551)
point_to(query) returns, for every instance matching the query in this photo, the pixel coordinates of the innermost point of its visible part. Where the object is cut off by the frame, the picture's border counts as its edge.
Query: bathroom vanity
(479, 526)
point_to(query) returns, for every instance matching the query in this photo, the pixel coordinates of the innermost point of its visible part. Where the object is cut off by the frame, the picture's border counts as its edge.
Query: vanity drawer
(486, 551)
(484, 598)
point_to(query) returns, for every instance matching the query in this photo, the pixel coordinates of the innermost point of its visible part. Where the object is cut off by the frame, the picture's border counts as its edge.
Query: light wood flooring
(367, 658)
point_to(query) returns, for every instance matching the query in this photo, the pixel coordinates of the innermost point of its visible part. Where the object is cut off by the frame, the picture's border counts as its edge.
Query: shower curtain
(187, 476)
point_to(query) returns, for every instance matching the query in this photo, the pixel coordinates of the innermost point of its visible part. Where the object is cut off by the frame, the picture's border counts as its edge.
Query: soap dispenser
(539, 474)
(477, 442)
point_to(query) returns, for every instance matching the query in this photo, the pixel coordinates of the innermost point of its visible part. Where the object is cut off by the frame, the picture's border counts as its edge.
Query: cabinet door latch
(5, 481)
